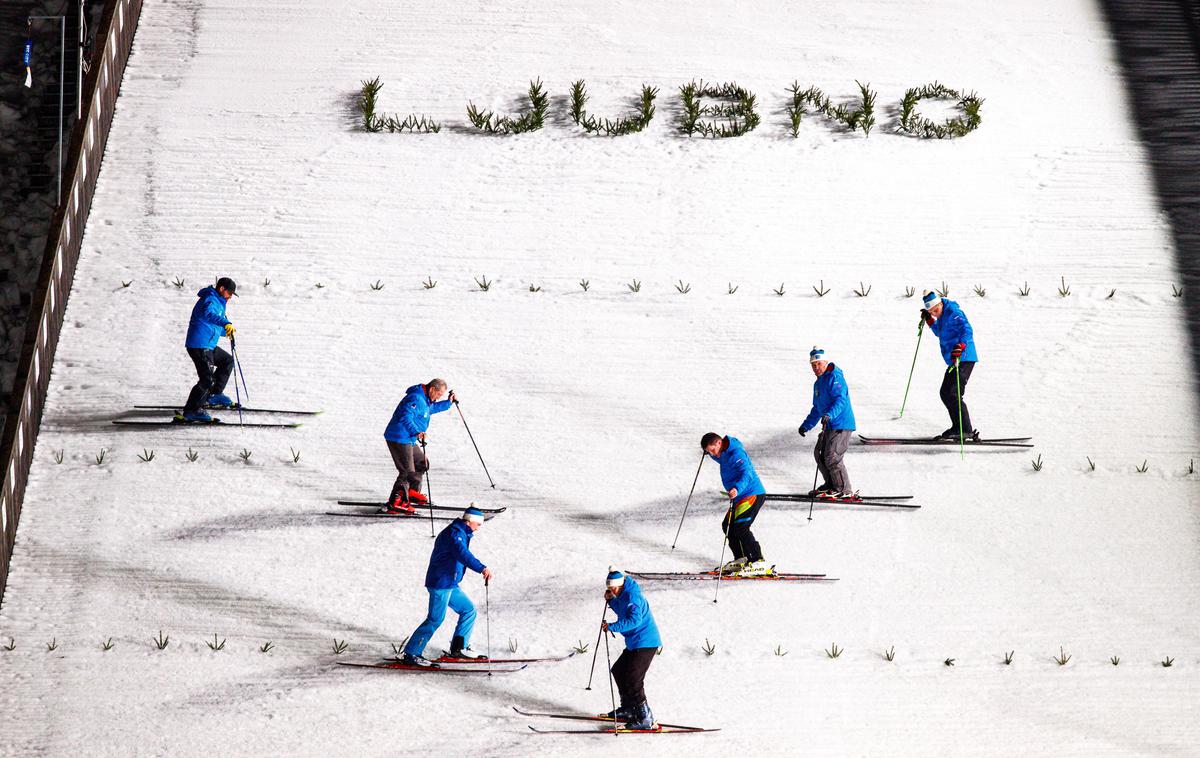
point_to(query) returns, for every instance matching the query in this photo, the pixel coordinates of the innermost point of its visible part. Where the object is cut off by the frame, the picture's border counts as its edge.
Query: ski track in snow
(233, 152)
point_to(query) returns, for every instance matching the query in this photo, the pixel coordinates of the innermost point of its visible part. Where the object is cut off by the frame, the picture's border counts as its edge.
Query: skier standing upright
(213, 365)
(405, 435)
(831, 406)
(745, 499)
(957, 341)
(448, 562)
(636, 624)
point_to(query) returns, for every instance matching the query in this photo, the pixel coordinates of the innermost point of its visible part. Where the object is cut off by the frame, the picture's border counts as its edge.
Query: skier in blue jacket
(831, 406)
(448, 562)
(745, 500)
(405, 436)
(213, 365)
(957, 342)
(636, 624)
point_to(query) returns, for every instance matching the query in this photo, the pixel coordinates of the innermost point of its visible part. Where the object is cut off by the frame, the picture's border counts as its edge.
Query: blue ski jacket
(737, 472)
(952, 328)
(411, 416)
(451, 557)
(634, 621)
(831, 397)
(207, 324)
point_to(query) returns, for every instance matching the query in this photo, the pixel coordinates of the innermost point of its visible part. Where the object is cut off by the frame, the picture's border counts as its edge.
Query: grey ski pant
(830, 452)
(410, 464)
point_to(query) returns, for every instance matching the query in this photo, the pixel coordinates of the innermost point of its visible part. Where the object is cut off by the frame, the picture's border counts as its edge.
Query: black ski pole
(487, 614)
(689, 499)
(721, 560)
(814, 489)
(611, 693)
(596, 651)
(237, 393)
(238, 365)
(428, 488)
(472, 436)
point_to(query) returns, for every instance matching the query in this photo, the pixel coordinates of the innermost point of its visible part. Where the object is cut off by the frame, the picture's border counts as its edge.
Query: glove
(230, 331)
(926, 317)
(803, 431)
(957, 352)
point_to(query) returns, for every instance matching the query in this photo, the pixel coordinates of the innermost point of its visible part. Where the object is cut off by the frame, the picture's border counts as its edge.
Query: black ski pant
(213, 367)
(629, 672)
(741, 540)
(950, 392)
(411, 464)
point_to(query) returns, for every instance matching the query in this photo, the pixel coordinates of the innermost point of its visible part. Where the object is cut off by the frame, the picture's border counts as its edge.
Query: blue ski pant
(458, 602)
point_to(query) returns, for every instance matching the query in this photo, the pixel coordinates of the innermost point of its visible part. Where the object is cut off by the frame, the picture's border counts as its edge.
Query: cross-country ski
(235, 407)
(212, 424)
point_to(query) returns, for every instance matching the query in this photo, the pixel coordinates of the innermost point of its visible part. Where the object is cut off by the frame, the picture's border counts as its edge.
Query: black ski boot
(416, 660)
(642, 719)
(460, 649)
(620, 714)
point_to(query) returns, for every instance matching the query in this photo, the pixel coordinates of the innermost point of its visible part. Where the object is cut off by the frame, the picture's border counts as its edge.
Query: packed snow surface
(235, 152)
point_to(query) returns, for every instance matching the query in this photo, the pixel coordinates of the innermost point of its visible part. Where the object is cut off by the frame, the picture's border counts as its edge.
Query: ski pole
(472, 436)
(237, 393)
(238, 365)
(428, 488)
(958, 380)
(721, 560)
(611, 693)
(596, 651)
(689, 500)
(487, 614)
(920, 331)
(824, 442)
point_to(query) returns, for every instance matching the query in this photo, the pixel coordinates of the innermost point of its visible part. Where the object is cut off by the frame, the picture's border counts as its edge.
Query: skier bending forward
(745, 499)
(213, 365)
(636, 624)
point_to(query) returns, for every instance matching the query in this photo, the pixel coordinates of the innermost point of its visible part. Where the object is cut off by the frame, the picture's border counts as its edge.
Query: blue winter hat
(473, 514)
(615, 577)
(817, 354)
(930, 298)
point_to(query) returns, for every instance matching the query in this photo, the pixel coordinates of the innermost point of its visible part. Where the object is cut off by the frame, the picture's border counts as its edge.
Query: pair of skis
(178, 422)
(421, 512)
(1018, 442)
(468, 666)
(662, 728)
(698, 576)
(877, 501)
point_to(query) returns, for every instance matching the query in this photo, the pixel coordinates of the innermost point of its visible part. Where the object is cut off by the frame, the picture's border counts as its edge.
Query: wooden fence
(101, 87)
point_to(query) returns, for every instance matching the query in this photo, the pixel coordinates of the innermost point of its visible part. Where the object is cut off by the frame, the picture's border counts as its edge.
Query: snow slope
(234, 152)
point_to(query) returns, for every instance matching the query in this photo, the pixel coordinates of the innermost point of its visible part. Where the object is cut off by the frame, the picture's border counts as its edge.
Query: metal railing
(82, 166)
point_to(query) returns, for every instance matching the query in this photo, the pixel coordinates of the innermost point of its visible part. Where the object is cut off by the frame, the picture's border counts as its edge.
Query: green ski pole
(920, 331)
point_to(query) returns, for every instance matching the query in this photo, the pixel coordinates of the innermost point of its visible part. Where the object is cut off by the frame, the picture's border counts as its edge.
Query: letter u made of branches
(622, 126)
(737, 110)
(529, 121)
